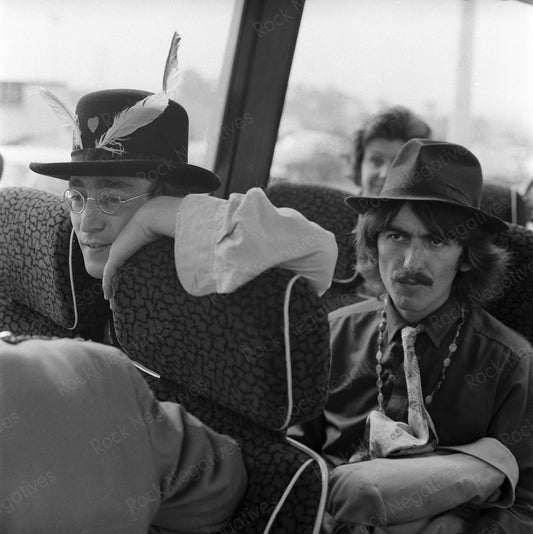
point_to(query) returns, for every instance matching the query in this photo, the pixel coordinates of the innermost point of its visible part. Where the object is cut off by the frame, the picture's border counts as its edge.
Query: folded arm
(222, 244)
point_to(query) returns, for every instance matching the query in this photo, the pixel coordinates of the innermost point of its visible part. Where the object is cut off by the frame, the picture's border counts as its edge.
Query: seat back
(504, 202)
(248, 364)
(38, 295)
(514, 303)
(326, 207)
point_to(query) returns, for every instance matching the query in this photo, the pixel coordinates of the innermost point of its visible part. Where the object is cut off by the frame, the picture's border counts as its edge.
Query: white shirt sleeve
(222, 244)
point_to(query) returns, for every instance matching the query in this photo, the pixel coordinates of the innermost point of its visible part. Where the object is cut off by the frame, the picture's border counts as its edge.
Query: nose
(91, 219)
(382, 172)
(414, 256)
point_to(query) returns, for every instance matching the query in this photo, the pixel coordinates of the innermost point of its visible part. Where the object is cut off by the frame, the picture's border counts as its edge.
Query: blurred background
(463, 65)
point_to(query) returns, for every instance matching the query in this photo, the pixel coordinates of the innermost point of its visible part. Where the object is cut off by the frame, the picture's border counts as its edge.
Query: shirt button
(392, 378)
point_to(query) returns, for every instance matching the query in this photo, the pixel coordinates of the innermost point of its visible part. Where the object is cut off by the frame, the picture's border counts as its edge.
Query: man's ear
(463, 265)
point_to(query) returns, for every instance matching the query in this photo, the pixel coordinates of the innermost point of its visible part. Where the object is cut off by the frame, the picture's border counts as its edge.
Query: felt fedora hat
(434, 171)
(123, 132)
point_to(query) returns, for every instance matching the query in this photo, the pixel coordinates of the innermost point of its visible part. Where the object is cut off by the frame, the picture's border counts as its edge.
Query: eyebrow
(398, 230)
(428, 235)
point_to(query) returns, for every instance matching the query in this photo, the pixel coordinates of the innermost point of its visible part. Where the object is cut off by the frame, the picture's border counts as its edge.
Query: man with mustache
(425, 365)
(403, 276)
(424, 371)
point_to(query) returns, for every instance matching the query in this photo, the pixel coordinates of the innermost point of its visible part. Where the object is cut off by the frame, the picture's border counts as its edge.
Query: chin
(95, 269)
(412, 303)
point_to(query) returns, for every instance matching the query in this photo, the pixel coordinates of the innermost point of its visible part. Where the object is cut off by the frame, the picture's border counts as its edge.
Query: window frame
(260, 74)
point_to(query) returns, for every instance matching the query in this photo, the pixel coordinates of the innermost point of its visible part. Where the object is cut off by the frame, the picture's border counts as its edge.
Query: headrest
(262, 351)
(514, 303)
(326, 207)
(504, 202)
(35, 233)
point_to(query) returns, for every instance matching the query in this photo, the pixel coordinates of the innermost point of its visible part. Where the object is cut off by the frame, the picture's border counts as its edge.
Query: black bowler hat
(434, 171)
(123, 132)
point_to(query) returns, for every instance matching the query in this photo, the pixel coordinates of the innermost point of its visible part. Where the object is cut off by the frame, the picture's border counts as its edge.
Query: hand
(154, 219)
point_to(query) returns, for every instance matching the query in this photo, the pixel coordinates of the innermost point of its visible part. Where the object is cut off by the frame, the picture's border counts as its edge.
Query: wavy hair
(488, 262)
(396, 122)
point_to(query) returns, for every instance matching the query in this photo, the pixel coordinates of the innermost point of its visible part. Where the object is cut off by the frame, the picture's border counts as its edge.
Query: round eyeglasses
(107, 200)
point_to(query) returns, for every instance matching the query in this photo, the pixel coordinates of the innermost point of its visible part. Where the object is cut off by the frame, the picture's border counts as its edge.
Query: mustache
(404, 276)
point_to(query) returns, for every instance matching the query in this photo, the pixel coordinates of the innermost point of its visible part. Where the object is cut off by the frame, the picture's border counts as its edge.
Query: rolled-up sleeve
(222, 244)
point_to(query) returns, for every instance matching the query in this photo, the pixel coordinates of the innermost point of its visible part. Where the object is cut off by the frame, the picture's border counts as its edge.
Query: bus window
(73, 48)
(462, 65)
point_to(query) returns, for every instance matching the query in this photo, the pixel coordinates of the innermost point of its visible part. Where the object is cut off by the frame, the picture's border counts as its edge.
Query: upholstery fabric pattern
(223, 358)
(20, 320)
(340, 295)
(230, 346)
(270, 462)
(326, 207)
(34, 271)
(514, 305)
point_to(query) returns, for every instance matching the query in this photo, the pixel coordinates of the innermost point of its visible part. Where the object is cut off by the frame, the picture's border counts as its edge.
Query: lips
(96, 246)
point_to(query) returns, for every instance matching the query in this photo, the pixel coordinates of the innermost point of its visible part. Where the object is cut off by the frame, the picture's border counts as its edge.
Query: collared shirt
(488, 389)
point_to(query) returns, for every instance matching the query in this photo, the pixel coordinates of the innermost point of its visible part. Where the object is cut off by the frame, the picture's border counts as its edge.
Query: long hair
(488, 262)
(393, 123)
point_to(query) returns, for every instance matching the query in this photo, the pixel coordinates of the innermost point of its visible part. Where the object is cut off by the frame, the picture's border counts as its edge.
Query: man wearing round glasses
(129, 176)
(108, 200)
(98, 223)
(130, 152)
(128, 146)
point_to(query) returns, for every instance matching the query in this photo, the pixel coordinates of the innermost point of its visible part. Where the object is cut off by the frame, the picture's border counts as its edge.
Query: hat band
(456, 197)
(100, 154)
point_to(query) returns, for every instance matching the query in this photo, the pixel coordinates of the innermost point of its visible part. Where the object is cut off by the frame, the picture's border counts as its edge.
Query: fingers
(155, 218)
(129, 241)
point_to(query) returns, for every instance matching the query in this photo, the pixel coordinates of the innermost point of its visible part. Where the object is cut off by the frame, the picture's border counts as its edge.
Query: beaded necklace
(452, 348)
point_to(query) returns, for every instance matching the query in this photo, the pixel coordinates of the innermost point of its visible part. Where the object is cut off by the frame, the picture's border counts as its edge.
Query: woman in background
(378, 142)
